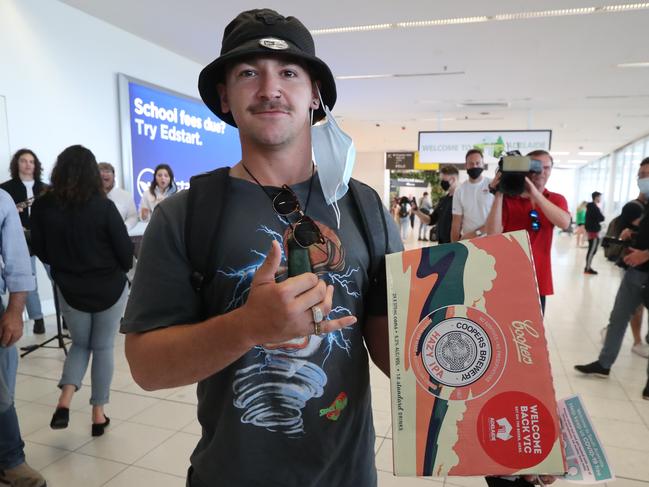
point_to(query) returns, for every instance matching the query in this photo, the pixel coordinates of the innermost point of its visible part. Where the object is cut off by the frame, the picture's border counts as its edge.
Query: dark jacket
(443, 218)
(87, 247)
(594, 218)
(18, 192)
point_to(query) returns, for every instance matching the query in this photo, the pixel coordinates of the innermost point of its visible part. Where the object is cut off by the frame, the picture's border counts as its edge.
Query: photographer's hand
(636, 257)
(535, 194)
(627, 234)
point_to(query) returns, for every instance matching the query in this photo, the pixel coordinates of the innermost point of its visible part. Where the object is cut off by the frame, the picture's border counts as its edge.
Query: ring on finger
(318, 316)
(317, 328)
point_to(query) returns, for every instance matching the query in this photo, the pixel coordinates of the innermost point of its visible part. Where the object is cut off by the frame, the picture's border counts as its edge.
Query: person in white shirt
(472, 200)
(123, 199)
(163, 185)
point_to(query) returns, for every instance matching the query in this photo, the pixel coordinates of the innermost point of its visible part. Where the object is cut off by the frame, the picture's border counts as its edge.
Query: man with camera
(523, 203)
(631, 293)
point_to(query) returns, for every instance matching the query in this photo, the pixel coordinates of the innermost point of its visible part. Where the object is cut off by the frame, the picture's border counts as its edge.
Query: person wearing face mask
(472, 200)
(24, 187)
(280, 356)
(538, 211)
(630, 295)
(123, 199)
(162, 186)
(442, 214)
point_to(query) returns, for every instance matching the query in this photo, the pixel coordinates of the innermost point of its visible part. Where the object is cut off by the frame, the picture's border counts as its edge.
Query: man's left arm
(558, 215)
(375, 332)
(375, 326)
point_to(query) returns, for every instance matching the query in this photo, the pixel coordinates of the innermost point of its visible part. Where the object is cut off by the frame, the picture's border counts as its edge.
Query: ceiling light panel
(486, 18)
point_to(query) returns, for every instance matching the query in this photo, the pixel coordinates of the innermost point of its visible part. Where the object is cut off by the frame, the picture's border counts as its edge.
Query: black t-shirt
(443, 218)
(303, 405)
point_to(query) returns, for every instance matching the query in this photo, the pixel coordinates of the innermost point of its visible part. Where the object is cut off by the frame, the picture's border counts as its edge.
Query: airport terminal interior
(419, 85)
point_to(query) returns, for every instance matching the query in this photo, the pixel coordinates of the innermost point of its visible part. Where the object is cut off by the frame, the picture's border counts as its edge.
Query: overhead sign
(441, 147)
(399, 160)
(409, 183)
(161, 126)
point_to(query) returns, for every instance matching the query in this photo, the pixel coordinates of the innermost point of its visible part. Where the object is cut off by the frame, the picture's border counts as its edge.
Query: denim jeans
(629, 297)
(33, 304)
(93, 334)
(404, 223)
(11, 444)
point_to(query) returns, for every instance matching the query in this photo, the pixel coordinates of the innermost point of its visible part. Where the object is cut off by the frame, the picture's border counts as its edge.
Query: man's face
(26, 165)
(269, 98)
(450, 179)
(541, 179)
(643, 172)
(107, 179)
(474, 160)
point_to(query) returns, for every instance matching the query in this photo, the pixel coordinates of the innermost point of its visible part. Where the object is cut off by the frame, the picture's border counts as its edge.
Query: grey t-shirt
(292, 414)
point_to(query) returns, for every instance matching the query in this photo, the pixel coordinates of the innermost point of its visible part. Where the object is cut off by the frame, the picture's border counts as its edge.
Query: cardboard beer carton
(472, 390)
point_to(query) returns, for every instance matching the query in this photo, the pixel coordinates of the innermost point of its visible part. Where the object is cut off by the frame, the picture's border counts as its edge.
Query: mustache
(268, 106)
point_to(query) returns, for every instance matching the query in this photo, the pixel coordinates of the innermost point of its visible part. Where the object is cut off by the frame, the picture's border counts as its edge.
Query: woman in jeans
(79, 232)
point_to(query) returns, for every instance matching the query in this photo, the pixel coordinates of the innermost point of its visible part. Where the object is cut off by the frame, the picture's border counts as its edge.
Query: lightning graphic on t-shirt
(273, 391)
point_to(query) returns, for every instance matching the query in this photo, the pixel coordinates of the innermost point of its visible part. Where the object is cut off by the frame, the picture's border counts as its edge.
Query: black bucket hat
(264, 31)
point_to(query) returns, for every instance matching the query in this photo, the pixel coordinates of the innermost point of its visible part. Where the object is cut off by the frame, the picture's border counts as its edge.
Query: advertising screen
(445, 147)
(160, 126)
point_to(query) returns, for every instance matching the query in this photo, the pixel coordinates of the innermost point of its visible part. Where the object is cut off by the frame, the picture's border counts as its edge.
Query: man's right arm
(180, 354)
(494, 225)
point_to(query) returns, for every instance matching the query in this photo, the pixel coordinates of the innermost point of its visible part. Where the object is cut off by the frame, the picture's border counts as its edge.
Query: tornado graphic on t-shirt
(273, 389)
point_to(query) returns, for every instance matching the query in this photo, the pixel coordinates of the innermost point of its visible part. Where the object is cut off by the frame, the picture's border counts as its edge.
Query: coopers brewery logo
(459, 357)
(521, 332)
(456, 352)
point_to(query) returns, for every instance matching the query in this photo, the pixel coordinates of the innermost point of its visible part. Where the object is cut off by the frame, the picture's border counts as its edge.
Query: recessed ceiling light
(557, 161)
(559, 153)
(643, 64)
(483, 104)
(591, 153)
(399, 75)
(485, 18)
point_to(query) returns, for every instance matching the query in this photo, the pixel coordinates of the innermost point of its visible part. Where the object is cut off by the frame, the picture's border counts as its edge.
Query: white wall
(370, 169)
(58, 74)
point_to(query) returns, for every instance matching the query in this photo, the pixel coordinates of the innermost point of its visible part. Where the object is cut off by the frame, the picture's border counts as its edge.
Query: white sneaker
(602, 334)
(641, 349)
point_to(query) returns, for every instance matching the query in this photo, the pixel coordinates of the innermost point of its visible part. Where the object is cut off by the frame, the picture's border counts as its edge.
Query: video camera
(514, 168)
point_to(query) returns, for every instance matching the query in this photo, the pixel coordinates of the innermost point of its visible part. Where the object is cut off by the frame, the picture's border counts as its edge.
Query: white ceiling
(558, 73)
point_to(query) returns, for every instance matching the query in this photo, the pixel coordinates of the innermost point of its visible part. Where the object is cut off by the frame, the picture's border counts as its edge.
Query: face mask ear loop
(336, 208)
(322, 105)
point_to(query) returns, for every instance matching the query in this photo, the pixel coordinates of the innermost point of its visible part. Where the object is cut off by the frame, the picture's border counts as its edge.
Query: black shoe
(645, 392)
(39, 326)
(98, 429)
(60, 419)
(590, 271)
(593, 368)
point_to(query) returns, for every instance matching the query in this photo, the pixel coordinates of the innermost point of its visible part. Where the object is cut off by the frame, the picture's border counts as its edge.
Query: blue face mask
(334, 154)
(643, 186)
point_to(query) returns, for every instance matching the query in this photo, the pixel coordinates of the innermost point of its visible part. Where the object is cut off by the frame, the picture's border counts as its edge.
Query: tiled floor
(152, 434)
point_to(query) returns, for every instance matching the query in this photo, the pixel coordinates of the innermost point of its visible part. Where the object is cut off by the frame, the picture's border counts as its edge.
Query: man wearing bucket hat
(276, 338)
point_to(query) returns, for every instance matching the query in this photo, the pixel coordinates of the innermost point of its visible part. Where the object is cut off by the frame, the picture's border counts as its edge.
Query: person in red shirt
(538, 211)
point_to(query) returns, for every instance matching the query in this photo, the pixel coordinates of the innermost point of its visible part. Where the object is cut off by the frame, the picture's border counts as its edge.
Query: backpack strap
(375, 231)
(205, 204)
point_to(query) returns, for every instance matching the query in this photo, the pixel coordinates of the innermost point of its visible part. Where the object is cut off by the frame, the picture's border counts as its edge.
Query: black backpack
(209, 190)
(612, 251)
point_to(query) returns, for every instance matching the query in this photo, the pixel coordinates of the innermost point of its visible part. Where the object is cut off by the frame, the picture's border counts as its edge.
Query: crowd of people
(256, 343)
(77, 226)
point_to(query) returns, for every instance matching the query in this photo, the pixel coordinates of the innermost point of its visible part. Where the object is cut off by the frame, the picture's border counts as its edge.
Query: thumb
(267, 270)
